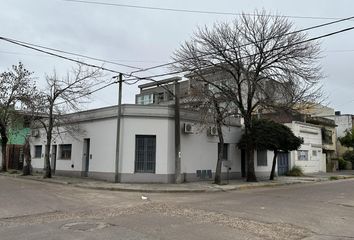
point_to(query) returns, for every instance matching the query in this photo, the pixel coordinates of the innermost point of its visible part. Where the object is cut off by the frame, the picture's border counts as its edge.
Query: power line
(89, 93)
(307, 40)
(57, 55)
(206, 54)
(73, 54)
(194, 11)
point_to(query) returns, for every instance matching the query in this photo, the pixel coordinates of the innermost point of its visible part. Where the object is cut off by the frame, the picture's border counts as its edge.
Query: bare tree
(214, 110)
(17, 89)
(258, 62)
(63, 95)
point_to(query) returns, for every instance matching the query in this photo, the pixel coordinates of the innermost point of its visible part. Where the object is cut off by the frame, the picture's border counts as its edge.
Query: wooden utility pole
(116, 172)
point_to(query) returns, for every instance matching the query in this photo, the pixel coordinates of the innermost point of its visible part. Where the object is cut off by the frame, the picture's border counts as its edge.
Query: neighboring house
(344, 123)
(310, 156)
(147, 145)
(16, 139)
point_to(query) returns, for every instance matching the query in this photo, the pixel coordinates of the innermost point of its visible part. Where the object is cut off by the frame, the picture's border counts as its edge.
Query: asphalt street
(36, 210)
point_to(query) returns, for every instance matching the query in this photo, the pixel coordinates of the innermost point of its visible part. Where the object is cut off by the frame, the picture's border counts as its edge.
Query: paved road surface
(35, 210)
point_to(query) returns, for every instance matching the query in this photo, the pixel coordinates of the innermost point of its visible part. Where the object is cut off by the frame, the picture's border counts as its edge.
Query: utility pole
(178, 177)
(116, 173)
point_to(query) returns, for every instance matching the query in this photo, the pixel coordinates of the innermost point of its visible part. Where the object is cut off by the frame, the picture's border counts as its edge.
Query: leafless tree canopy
(256, 62)
(61, 96)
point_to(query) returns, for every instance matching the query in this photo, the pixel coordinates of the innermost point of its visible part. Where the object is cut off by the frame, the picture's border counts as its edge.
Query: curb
(200, 190)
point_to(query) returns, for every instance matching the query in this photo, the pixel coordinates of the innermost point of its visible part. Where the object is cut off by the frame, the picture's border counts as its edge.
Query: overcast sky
(142, 37)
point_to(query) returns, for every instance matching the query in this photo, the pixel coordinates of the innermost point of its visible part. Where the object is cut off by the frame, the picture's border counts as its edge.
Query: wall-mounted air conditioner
(213, 131)
(188, 128)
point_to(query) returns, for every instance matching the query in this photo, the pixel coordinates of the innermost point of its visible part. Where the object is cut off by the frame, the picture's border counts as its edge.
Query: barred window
(65, 151)
(303, 155)
(38, 151)
(262, 158)
(145, 153)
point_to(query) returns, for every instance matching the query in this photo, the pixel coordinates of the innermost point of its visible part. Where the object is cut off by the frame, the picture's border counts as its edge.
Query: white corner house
(147, 149)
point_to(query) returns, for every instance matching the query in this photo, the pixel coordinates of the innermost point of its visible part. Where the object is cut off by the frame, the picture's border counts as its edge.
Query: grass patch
(333, 178)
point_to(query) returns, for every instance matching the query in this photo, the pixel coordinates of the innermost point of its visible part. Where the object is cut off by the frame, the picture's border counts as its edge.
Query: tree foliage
(269, 135)
(17, 90)
(348, 139)
(258, 63)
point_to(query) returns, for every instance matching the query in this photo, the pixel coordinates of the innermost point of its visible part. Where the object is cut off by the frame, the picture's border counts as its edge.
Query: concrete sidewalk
(205, 186)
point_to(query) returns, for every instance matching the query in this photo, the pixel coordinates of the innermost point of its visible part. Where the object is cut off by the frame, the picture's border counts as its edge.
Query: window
(145, 99)
(225, 152)
(145, 153)
(65, 151)
(38, 151)
(303, 155)
(314, 153)
(262, 158)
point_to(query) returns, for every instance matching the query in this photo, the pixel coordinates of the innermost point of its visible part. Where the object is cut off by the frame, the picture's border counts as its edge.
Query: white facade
(98, 127)
(310, 156)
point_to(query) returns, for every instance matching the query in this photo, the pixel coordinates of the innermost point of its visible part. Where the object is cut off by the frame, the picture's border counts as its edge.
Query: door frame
(86, 158)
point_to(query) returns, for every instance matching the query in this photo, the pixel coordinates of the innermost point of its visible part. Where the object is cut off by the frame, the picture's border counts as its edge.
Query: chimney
(337, 113)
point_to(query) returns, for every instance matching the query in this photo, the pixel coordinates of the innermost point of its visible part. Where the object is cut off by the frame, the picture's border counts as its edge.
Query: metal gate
(283, 163)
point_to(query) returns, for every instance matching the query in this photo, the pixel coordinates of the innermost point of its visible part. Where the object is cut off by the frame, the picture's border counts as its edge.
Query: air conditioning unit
(188, 128)
(34, 133)
(213, 131)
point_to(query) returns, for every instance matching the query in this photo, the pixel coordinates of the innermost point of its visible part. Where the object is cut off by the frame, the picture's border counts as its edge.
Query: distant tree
(17, 90)
(61, 96)
(348, 139)
(269, 135)
(258, 62)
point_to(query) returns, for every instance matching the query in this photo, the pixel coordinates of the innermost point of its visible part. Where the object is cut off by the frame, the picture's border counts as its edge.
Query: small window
(38, 151)
(314, 153)
(65, 151)
(225, 155)
(262, 158)
(303, 155)
(145, 153)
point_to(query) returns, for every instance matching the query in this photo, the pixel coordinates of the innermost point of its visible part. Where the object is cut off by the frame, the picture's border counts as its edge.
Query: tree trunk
(27, 169)
(4, 141)
(47, 168)
(217, 179)
(251, 174)
(273, 165)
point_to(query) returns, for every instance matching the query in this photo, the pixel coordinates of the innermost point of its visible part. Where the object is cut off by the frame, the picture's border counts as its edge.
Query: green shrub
(332, 178)
(348, 156)
(342, 164)
(295, 171)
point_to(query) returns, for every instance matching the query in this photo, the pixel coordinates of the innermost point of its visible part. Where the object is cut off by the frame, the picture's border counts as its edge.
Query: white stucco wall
(264, 171)
(199, 150)
(160, 127)
(102, 139)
